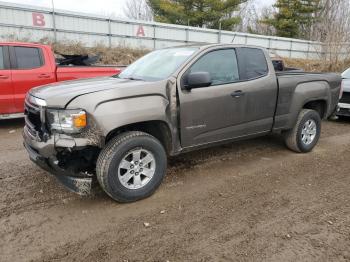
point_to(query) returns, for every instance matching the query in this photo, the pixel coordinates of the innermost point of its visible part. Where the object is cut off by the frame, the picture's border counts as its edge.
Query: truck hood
(61, 93)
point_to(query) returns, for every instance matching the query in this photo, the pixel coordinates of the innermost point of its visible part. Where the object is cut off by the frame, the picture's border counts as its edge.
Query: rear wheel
(306, 132)
(131, 166)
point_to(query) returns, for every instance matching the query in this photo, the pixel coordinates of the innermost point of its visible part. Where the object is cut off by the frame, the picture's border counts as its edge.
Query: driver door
(240, 101)
(212, 113)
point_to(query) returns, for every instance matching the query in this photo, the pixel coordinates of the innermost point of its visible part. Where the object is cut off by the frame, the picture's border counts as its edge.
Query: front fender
(120, 112)
(123, 106)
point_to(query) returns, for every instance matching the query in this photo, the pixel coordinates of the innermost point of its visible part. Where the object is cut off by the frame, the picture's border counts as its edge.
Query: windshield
(157, 65)
(346, 74)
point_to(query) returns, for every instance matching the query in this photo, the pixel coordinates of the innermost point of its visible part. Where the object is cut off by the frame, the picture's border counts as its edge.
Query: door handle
(237, 94)
(44, 76)
(4, 77)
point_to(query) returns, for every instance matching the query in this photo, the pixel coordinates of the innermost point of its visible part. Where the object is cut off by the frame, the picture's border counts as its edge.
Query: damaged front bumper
(44, 154)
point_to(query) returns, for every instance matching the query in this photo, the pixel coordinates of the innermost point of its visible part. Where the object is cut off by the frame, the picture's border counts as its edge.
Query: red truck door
(29, 69)
(7, 105)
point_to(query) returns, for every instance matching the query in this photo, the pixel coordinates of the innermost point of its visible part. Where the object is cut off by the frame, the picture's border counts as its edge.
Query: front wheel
(306, 132)
(131, 166)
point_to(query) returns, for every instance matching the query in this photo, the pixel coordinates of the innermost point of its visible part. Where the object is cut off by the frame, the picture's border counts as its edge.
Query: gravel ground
(247, 201)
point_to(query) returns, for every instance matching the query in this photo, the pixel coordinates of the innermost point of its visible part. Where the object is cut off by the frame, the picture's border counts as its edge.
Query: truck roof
(206, 45)
(23, 44)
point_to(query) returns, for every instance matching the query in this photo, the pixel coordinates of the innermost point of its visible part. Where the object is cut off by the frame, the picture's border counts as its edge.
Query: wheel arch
(319, 105)
(157, 128)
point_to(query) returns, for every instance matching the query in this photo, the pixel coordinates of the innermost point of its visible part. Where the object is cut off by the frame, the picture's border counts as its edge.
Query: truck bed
(77, 72)
(298, 77)
(319, 86)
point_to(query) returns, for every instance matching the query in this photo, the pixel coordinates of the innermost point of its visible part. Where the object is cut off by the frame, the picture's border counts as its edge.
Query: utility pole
(54, 21)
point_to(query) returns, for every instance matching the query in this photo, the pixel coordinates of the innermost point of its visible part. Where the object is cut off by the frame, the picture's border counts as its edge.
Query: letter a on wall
(38, 19)
(140, 31)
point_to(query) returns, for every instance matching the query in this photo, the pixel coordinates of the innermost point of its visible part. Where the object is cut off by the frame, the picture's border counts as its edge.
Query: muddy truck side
(120, 130)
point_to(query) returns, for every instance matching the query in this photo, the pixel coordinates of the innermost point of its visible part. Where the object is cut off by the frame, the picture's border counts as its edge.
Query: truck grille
(345, 98)
(33, 118)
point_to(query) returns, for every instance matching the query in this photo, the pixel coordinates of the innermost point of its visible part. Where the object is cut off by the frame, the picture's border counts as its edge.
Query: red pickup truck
(26, 65)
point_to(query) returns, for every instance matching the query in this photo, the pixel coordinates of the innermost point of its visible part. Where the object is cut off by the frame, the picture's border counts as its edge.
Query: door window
(220, 64)
(2, 62)
(252, 62)
(28, 57)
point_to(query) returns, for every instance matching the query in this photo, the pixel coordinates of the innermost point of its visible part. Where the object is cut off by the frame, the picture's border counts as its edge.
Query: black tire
(293, 137)
(111, 156)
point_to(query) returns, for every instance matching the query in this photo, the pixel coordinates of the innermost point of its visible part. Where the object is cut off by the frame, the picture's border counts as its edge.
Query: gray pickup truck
(119, 130)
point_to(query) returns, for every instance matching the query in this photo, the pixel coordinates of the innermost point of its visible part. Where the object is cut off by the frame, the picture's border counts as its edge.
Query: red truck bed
(75, 72)
(26, 65)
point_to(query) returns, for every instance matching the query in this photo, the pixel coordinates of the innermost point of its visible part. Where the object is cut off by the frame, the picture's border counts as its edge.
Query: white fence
(36, 23)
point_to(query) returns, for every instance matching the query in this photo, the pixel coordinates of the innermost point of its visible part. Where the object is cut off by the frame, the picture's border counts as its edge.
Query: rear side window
(2, 62)
(252, 63)
(28, 57)
(220, 64)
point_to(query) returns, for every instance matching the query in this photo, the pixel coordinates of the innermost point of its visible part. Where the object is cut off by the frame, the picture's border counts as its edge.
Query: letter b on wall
(38, 19)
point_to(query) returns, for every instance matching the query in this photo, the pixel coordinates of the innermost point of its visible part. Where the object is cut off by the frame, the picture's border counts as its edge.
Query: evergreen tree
(294, 18)
(200, 13)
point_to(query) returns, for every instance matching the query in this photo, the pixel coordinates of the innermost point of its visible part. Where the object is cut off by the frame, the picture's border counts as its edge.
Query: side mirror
(197, 80)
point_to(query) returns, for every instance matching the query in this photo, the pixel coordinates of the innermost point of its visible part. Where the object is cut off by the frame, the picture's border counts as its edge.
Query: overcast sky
(105, 7)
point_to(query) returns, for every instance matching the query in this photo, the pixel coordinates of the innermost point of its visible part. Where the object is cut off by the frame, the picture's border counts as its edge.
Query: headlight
(67, 121)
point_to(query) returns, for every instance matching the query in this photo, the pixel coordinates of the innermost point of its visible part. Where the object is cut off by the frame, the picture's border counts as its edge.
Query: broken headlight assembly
(67, 121)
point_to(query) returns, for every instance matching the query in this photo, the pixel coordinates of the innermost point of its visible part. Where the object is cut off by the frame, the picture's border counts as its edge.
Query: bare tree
(333, 31)
(138, 10)
(243, 14)
(252, 14)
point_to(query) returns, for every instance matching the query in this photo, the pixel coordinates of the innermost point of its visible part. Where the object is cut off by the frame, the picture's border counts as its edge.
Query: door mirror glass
(197, 80)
